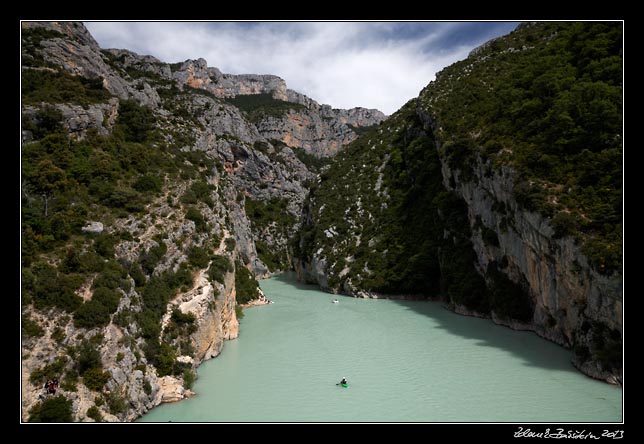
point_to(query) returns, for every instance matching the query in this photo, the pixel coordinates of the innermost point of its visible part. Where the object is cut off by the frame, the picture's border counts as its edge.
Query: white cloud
(344, 64)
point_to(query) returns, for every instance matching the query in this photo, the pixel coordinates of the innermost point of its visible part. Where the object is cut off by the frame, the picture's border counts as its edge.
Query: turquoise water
(404, 361)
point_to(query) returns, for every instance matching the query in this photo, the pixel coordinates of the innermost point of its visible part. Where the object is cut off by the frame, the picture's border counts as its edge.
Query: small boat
(335, 301)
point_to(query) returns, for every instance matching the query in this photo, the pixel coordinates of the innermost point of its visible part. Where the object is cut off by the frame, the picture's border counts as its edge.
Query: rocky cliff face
(568, 295)
(191, 233)
(77, 52)
(318, 129)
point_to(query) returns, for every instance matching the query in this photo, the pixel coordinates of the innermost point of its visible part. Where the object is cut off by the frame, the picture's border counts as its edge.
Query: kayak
(344, 385)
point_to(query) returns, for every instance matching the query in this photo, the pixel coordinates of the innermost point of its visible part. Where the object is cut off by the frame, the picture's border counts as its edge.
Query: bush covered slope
(498, 189)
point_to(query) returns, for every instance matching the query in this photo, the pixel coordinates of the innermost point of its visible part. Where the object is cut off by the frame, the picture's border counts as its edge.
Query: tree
(47, 179)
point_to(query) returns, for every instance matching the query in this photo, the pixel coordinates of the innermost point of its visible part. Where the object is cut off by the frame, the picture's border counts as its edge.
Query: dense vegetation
(385, 222)
(271, 218)
(54, 409)
(313, 163)
(258, 106)
(547, 99)
(245, 284)
(60, 87)
(219, 266)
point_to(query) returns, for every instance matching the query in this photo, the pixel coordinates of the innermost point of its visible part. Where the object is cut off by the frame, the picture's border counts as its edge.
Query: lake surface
(405, 361)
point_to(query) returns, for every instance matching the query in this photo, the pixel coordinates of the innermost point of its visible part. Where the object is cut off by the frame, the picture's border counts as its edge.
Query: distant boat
(335, 301)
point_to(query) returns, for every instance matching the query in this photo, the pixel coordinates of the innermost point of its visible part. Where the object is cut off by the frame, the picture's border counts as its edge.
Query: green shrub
(188, 378)
(58, 335)
(31, 45)
(194, 215)
(134, 269)
(148, 183)
(312, 162)
(58, 409)
(69, 382)
(53, 370)
(94, 413)
(198, 257)
(147, 387)
(104, 245)
(112, 276)
(97, 311)
(91, 262)
(51, 288)
(95, 378)
(219, 266)
(31, 328)
(47, 120)
(115, 403)
(181, 318)
(245, 284)
(182, 279)
(136, 121)
(274, 216)
(199, 191)
(271, 257)
(150, 258)
(604, 254)
(88, 358)
(161, 355)
(155, 297)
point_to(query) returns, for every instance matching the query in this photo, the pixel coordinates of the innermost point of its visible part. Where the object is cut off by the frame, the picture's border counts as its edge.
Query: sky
(343, 64)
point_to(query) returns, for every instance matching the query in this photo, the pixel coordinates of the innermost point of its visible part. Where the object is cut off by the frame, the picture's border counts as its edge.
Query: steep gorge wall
(568, 295)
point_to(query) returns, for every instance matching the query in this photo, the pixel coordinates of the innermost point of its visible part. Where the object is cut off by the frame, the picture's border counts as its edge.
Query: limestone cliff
(568, 295)
(318, 129)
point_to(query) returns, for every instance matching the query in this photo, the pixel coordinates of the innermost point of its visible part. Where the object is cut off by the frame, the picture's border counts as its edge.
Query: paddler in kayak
(344, 381)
